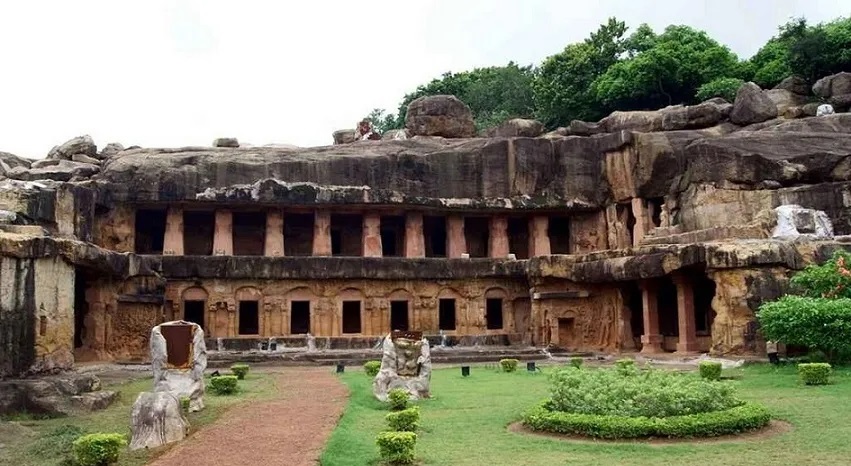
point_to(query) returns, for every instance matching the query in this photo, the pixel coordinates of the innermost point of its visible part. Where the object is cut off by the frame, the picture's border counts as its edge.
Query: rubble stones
(440, 115)
(78, 145)
(110, 149)
(752, 105)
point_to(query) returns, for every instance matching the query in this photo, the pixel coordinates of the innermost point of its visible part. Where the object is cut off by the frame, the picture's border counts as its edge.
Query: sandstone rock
(517, 127)
(12, 160)
(810, 109)
(785, 99)
(580, 128)
(94, 401)
(156, 420)
(834, 123)
(752, 105)
(110, 149)
(82, 158)
(185, 381)
(45, 163)
(78, 145)
(405, 364)
(226, 142)
(344, 136)
(794, 84)
(840, 102)
(794, 221)
(395, 135)
(835, 84)
(65, 170)
(677, 117)
(440, 115)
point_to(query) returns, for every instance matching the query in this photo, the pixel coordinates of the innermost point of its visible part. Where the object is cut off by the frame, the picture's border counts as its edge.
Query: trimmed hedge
(407, 420)
(223, 384)
(731, 421)
(814, 373)
(710, 370)
(509, 365)
(396, 447)
(398, 398)
(98, 449)
(372, 367)
(239, 370)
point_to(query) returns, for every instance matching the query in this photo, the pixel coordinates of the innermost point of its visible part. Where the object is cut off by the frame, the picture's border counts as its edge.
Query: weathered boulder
(156, 420)
(835, 84)
(95, 401)
(65, 170)
(794, 221)
(395, 134)
(12, 160)
(440, 115)
(811, 109)
(54, 395)
(840, 102)
(517, 127)
(834, 123)
(795, 84)
(784, 99)
(344, 136)
(179, 374)
(677, 117)
(405, 364)
(78, 145)
(110, 149)
(752, 105)
(83, 158)
(226, 142)
(580, 128)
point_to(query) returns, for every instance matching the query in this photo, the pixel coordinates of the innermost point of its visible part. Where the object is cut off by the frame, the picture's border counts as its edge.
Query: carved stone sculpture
(406, 364)
(156, 420)
(178, 359)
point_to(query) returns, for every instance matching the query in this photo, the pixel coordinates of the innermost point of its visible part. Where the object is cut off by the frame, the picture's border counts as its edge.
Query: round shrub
(398, 398)
(576, 362)
(814, 373)
(406, 420)
(509, 365)
(223, 384)
(710, 370)
(396, 447)
(239, 370)
(98, 449)
(372, 367)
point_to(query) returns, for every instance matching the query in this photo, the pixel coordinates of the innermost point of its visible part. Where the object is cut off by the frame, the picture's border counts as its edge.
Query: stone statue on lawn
(405, 364)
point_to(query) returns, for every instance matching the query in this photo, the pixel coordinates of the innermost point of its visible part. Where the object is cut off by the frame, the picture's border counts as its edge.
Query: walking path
(288, 430)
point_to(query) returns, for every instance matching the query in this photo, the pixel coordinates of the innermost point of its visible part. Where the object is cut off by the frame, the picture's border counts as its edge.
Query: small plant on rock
(372, 367)
(815, 373)
(406, 420)
(509, 365)
(184, 403)
(396, 447)
(239, 370)
(576, 362)
(710, 370)
(398, 399)
(98, 449)
(223, 384)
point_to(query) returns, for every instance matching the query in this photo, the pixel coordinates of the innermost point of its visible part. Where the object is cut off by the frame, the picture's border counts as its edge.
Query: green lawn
(465, 424)
(32, 442)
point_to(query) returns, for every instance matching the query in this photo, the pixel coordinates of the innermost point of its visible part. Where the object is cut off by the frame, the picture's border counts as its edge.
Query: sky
(172, 73)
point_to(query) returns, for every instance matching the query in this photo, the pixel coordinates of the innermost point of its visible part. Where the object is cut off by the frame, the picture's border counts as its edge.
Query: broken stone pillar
(156, 420)
(322, 233)
(651, 340)
(371, 235)
(414, 235)
(173, 240)
(498, 238)
(223, 235)
(539, 238)
(456, 241)
(685, 314)
(178, 359)
(274, 245)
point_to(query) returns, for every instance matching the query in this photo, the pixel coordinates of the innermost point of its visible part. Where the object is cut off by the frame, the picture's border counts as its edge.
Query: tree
(561, 85)
(381, 121)
(726, 88)
(668, 71)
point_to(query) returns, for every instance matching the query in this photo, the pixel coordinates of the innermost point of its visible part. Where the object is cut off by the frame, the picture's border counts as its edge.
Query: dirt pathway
(288, 430)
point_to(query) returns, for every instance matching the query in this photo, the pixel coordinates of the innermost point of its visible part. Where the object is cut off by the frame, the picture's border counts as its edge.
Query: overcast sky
(166, 73)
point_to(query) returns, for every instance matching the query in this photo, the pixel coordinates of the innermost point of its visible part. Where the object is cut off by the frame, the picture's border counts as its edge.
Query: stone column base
(687, 347)
(651, 344)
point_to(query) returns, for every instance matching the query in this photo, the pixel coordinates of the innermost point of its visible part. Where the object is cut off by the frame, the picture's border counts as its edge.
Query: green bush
(398, 398)
(626, 367)
(407, 420)
(726, 88)
(224, 384)
(239, 370)
(710, 370)
(815, 373)
(372, 367)
(576, 362)
(98, 449)
(509, 365)
(817, 323)
(396, 447)
(730, 421)
(184, 403)
(650, 393)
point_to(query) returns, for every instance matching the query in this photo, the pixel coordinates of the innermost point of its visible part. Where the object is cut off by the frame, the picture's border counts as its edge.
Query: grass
(465, 424)
(47, 442)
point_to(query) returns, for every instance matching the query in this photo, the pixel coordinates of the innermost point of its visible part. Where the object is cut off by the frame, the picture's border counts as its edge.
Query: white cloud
(183, 72)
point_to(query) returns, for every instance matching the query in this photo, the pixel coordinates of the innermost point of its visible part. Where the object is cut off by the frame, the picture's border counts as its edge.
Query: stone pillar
(414, 235)
(643, 220)
(231, 310)
(456, 242)
(539, 238)
(173, 240)
(651, 340)
(685, 314)
(498, 238)
(322, 233)
(274, 245)
(223, 235)
(371, 236)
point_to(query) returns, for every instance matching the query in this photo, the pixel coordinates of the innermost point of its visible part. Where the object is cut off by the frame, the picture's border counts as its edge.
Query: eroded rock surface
(440, 115)
(752, 105)
(405, 364)
(156, 420)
